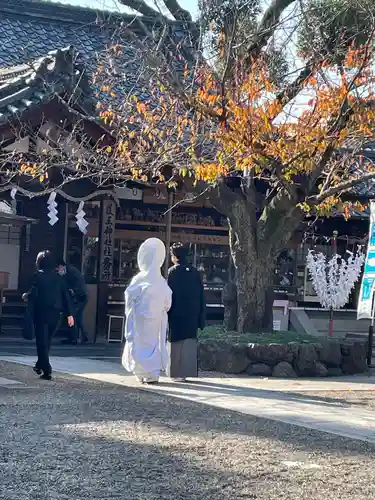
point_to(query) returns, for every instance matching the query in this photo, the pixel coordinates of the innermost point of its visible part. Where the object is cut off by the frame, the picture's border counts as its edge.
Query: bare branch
(142, 7)
(268, 25)
(293, 89)
(177, 11)
(342, 187)
(222, 197)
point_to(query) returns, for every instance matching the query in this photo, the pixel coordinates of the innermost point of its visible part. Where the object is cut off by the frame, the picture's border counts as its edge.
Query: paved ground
(101, 349)
(76, 439)
(287, 401)
(360, 399)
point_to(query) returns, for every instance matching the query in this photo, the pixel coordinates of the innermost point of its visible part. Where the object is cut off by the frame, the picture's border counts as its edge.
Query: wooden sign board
(124, 193)
(107, 239)
(206, 239)
(159, 196)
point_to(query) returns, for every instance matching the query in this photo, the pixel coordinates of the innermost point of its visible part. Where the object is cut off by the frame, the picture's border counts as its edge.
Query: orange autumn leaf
(213, 131)
(141, 107)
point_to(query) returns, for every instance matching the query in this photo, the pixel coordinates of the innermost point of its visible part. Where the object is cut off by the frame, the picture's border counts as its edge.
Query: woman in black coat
(48, 298)
(186, 315)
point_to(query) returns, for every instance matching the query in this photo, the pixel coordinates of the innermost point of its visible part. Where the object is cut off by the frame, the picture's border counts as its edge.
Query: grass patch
(218, 332)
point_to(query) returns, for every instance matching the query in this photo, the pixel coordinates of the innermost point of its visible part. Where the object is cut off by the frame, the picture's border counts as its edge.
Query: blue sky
(190, 5)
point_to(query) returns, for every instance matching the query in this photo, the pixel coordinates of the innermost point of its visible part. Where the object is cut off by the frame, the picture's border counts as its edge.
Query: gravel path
(73, 439)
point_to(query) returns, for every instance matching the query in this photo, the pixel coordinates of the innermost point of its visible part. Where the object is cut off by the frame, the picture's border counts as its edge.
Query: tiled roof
(29, 29)
(364, 190)
(357, 147)
(358, 158)
(356, 144)
(29, 85)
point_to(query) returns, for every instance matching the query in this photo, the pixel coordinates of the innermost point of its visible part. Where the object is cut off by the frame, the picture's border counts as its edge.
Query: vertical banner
(107, 240)
(364, 310)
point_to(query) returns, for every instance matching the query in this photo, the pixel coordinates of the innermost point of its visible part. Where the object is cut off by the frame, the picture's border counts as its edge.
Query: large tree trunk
(254, 271)
(255, 243)
(254, 277)
(255, 246)
(229, 298)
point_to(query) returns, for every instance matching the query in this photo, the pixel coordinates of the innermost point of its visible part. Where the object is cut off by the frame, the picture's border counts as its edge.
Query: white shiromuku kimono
(147, 301)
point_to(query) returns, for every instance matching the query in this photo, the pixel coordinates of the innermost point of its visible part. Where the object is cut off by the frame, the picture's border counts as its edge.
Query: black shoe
(45, 377)
(37, 370)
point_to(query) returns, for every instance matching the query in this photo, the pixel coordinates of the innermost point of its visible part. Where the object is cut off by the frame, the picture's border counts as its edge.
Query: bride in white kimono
(147, 300)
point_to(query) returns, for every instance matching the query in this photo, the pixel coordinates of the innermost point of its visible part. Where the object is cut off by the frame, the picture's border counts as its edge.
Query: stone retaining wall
(327, 358)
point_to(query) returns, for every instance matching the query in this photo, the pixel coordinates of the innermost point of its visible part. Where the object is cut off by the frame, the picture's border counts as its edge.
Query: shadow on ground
(233, 390)
(76, 439)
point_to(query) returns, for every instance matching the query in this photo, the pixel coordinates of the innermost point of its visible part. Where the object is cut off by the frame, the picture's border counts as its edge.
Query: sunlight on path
(280, 400)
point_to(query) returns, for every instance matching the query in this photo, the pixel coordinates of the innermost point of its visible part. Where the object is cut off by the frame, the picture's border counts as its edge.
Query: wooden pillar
(168, 232)
(107, 236)
(107, 224)
(66, 229)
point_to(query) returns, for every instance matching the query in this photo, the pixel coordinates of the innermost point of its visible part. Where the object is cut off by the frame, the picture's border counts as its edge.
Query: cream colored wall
(9, 262)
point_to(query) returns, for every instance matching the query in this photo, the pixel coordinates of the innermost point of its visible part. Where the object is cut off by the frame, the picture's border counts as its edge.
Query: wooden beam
(168, 232)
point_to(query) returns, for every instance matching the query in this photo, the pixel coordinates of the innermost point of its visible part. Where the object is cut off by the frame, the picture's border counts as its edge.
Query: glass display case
(125, 259)
(90, 258)
(211, 261)
(285, 273)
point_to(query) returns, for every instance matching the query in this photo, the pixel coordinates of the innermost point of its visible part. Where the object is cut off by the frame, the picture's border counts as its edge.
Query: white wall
(9, 262)
(10, 253)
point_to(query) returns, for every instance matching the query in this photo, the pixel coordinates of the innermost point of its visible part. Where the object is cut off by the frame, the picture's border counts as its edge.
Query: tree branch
(157, 64)
(294, 88)
(141, 7)
(339, 188)
(268, 25)
(222, 197)
(324, 159)
(277, 216)
(177, 11)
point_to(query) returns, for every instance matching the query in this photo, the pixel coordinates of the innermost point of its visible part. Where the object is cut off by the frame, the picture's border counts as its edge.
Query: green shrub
(218, 332)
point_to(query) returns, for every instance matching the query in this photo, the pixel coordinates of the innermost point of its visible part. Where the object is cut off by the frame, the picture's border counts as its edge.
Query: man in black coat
(47, 298)
(186, 315)
(79, 296)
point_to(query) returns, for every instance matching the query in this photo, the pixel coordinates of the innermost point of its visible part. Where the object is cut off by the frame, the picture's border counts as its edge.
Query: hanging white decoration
(14, 201)
(334, 279)
(80, 217)
(52, 209)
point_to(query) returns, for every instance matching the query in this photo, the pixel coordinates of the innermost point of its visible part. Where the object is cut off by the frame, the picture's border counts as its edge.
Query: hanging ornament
(81, 221)
(52, 209)
(14, 201)
(334, 279)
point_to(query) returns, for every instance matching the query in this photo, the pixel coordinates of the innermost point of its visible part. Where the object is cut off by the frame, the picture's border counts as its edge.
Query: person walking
(79, 296)
(186, 315)
(147, 301)
(48, 297)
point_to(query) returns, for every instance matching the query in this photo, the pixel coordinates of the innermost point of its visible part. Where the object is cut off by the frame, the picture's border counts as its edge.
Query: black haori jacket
(188, 310)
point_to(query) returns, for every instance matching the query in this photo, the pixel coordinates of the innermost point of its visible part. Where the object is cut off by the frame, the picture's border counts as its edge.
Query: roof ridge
(47, 77)
(57, 11)
(38, 66)
(76, 14)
